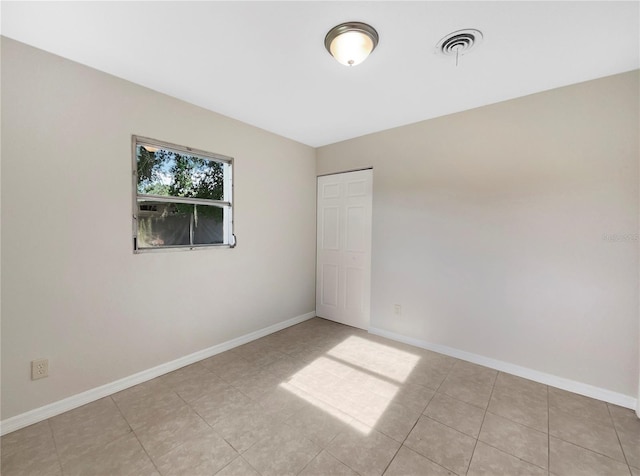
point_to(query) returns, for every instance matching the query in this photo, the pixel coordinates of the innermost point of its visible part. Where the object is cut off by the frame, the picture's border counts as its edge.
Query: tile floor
(324, 399)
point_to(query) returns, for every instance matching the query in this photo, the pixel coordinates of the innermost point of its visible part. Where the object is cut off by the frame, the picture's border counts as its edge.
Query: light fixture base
(351, 42)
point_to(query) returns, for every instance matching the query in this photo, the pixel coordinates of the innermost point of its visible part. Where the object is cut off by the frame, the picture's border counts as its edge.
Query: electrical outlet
(397, 309)
(39, 369)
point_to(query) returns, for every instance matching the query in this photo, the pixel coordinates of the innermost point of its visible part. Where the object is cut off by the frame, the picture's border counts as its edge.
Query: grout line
(135, 434)
(55, 446)
(314, 457)
(482, 424)
(230, 463)
(615, 428)
(590, 450)
(501, 450)
(416, 423)
(145, 451)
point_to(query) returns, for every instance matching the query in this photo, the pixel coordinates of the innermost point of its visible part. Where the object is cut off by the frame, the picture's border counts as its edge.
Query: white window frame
(226, 204)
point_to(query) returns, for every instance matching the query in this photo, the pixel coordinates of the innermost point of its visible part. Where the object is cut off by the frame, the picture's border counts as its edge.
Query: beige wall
(73, 291)
(489, 229)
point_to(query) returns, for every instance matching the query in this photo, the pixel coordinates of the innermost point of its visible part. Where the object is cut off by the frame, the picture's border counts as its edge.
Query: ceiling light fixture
(350, 43)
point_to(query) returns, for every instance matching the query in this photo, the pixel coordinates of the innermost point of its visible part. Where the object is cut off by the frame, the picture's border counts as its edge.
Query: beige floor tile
(23, 464)
(256, 383)
(202, 456)
(238, 467)
(635, 471)
(365, 406)
(315, 382)
(571, 460)
(355, 388)
(377, 384)
(142, 409)
(444, 445)
(460, 416)
(490, 461)
(326, 465)
(396, 421)
(103, 407)
(521, 385)
(197, 386)
(295, 345)
(253, 347)
(631, 449)
(282, 402)
(627, 426)
(30, 451)
(169, 432)
(336, 367)
(246, 426)
(283, 452)
(578, 405)
(260, 355)
(394, 369)
(228, 366)
(31, 438)
(188, 372)
(518, 440)
(364, 450)
(476, 373)
(410, 463)
(427, 374)
(520, 407)
(413, 396)
(88, 427)
(122, 457)
(436, 360)
(276, 339)
(217, 362)
(223, 403)
(468, 390)
(151, 387)
(307, 353)
(319, 422)
(590, 434)
(284, 367)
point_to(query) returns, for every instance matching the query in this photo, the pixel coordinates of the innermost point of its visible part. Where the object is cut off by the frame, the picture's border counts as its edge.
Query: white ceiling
(264, 63)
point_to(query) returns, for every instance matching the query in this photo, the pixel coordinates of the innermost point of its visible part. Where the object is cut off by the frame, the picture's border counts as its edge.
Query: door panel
(357, 188)
(354, 289)
(330, 228)
(330, 285)
(343, 289)
(356, 240)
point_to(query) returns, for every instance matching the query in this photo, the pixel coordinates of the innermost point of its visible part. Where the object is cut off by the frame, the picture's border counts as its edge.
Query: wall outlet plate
(39, 368)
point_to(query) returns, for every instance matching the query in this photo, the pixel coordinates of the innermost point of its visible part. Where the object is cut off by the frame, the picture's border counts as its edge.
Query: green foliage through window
(163, 173)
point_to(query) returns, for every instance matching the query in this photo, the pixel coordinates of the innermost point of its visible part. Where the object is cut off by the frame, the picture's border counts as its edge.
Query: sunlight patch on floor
(375, 357)
(355, 381)
(330, 410)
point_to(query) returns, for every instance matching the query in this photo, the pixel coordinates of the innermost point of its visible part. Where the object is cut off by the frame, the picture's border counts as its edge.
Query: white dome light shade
(350, 43)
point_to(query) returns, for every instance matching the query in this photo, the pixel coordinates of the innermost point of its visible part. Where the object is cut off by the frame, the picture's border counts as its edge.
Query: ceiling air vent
(459, 43)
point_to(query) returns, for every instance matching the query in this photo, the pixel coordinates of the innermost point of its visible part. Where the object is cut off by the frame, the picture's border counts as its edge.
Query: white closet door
(343, 271)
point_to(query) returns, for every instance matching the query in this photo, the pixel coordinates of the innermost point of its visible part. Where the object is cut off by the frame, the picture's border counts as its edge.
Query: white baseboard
(75, 401)
(541, 377)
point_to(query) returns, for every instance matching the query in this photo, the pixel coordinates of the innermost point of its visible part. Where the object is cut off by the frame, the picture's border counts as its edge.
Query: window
(183, 197)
